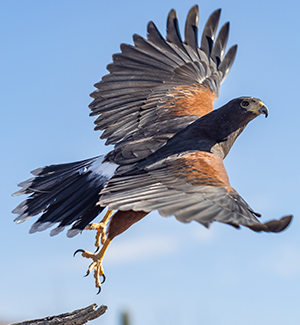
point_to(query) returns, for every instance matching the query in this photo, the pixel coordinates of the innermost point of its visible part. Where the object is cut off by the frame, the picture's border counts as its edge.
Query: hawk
(156, 108)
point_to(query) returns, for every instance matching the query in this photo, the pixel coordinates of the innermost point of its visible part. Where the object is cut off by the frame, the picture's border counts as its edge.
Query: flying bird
(156, 108)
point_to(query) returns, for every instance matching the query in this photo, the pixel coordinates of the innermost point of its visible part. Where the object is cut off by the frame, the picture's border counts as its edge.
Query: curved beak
(263, 109)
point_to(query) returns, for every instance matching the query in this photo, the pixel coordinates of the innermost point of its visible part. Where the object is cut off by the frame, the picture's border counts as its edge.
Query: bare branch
(76, 317)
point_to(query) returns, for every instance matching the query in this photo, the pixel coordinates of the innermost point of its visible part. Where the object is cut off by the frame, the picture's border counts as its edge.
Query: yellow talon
(97, 258)
(96, 265)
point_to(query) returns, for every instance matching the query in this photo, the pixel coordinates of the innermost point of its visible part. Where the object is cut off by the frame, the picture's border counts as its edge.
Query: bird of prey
(156, 108)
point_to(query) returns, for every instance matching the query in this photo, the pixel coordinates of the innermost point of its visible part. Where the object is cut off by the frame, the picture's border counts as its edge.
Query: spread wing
(159, 86)
(190, 186)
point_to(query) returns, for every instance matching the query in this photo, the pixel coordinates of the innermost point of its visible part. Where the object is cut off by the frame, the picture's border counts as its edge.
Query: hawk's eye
(245, 103)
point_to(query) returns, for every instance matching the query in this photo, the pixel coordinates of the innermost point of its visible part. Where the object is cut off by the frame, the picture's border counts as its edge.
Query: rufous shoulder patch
(202, 168)
(190, 100)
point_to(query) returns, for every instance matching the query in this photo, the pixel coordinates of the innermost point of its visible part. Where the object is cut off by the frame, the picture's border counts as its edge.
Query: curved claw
(78, 250)
(103, 278)
(97, 249)
(99, 290)
(87, 273)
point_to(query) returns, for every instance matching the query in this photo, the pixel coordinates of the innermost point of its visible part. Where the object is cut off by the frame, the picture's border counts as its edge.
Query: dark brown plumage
(156, 107)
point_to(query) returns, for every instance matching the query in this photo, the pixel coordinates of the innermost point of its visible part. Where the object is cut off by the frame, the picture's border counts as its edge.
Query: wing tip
(217, 12)
(273, 226)
(194, 10)
(172, 14)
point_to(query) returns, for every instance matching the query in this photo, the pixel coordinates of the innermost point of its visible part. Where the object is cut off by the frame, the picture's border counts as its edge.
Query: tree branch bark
(76, 317)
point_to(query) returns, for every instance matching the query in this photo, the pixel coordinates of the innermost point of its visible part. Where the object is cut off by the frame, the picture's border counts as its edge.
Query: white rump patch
(106, 169)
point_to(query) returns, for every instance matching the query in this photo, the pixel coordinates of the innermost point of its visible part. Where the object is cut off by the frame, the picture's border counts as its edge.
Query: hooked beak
(259, 108)
(263, 109)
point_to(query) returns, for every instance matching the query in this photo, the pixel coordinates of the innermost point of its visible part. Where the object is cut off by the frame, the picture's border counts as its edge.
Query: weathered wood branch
(76, 317)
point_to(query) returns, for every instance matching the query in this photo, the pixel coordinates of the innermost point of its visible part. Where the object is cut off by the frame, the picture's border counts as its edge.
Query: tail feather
(52, 176)
(66, 194)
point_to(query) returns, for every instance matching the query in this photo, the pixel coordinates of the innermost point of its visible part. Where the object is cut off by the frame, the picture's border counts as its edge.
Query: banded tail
(66, 194)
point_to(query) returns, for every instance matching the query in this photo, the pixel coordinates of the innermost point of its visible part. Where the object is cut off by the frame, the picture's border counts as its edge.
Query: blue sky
(161, 271)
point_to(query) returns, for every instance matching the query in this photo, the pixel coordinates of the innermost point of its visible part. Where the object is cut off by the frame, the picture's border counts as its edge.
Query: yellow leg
(97, 258)
(96, 265)
(101, 228)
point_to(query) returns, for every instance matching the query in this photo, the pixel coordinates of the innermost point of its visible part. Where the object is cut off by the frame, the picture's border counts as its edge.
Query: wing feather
(159, 79)
(227, 62)
(209, 32)
(191, 29)
(192, 186)
(173, 32)
(220, 44)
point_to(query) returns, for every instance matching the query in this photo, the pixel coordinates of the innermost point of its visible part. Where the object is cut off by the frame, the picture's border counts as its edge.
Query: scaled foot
(97, 258)
(101, 229)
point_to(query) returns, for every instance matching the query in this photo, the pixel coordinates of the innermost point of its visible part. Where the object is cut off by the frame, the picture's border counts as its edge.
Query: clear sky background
(161, 271)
